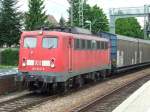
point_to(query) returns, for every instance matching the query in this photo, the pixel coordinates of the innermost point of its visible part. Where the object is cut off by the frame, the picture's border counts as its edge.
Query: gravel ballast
(68, 102)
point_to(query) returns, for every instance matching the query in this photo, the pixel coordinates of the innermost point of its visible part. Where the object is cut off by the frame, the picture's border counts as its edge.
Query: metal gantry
(116, 13)
(81, 17)
(71, 15)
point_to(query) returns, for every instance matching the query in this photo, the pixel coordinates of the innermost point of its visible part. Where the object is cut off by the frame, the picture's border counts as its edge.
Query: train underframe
(61, 87)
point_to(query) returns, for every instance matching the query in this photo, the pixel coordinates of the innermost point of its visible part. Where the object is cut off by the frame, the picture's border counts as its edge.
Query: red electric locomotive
(55, 59)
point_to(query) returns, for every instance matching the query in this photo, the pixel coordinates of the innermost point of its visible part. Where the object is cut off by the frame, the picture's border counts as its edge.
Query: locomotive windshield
(30, 42)
(50, 42)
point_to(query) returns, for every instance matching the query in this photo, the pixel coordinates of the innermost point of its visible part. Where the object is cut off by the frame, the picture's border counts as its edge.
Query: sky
(58, 8)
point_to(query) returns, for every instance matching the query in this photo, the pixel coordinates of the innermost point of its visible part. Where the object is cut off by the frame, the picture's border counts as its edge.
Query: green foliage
(49, 24)
(129, 27)
(75, 6)
(10, 26)
(36, 16)
(97, 17)
(94, 14)
(10, 57)
(62, 22)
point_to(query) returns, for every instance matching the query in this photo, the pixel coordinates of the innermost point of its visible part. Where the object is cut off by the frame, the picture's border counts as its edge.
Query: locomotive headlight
(24, 63)
(52, 64)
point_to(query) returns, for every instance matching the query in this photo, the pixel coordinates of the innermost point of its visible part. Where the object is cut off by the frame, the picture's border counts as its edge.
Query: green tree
(97, 17)
(10, 26)
(36, 16)
(129, 27)
(62, 22)
(94, 14)
(49, 24)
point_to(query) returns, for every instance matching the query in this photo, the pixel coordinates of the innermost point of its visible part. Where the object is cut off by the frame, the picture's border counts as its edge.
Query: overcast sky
(58, 8)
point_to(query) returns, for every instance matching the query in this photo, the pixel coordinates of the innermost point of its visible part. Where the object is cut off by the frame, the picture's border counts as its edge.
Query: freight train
(62, 58)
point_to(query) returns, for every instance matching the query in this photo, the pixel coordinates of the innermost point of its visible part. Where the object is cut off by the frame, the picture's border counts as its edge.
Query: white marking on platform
(137, 102)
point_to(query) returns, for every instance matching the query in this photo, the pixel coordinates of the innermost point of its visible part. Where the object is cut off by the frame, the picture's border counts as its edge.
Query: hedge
(10, 57)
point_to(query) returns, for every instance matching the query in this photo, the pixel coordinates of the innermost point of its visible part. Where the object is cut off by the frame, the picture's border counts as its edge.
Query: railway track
(24, 102)
(29, 100)
(111, 100)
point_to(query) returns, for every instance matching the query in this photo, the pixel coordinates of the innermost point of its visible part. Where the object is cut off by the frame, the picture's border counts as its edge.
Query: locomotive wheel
(31, 86)
(94, 78)
(70, 83)
(82, 81)
(63, 87)
(103, 74)
(108, 72)
(97, 76)
(44, 88)
(54, 88)
(79, 81)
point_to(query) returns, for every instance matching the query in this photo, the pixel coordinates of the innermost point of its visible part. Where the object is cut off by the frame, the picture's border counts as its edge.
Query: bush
(10, 57)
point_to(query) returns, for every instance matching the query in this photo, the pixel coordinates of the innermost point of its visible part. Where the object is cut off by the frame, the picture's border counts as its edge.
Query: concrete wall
(8, 84)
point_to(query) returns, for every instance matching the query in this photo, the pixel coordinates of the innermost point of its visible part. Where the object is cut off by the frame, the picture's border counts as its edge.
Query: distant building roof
(52, 20)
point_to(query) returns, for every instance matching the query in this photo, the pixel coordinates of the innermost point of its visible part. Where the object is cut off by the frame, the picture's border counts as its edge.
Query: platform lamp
(90, 24)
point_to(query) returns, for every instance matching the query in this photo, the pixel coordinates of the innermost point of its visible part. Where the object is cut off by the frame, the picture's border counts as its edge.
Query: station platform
(8, 83)
(139, 101)
(5, 72)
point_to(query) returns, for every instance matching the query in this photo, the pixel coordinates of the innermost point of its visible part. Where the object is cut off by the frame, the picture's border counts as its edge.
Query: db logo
(37, 63)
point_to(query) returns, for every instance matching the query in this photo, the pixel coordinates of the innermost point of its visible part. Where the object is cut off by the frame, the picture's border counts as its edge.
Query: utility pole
(145, 22)
(81, 18)
(71, 15)
(80, 12)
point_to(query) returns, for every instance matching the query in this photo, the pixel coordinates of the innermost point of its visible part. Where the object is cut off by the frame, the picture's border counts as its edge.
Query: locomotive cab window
(102, 45)
(98, 45)
(106, 45)
(77, 44)
(50, 42)
(83, 44)
(93, 44)
(30, 42)
(89, 44)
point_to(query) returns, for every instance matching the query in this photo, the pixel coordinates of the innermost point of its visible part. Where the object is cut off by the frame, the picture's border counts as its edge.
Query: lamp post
(90, 24)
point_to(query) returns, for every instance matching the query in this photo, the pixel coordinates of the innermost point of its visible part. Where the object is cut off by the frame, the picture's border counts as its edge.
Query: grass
(7, 67)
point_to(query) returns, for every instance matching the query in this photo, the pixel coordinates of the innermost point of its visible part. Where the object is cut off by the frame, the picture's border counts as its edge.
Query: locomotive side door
(70, 54)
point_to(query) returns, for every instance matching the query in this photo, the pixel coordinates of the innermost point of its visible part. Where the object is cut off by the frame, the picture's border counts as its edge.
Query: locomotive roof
(133, 39)
(144, 41)
(90, 37)
(121, 37)
(79, 36)
(127, 38)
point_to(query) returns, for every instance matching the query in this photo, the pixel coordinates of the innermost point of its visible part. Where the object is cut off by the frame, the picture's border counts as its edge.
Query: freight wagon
(127, 52)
